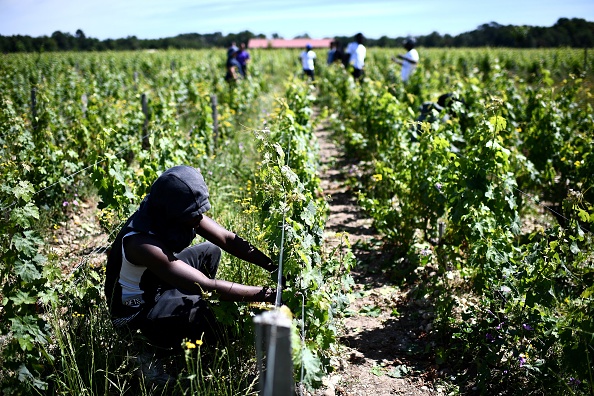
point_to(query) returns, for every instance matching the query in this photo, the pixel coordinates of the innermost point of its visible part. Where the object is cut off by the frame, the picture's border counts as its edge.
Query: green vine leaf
(25, 216)
(24, 190)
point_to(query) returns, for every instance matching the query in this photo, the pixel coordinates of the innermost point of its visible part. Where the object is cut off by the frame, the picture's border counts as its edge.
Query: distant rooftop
(294, 43)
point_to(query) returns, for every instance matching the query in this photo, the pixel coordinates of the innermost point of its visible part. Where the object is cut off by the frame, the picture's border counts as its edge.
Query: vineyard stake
(146, 144)
(273, 352)
(34, 108)
(215, 117)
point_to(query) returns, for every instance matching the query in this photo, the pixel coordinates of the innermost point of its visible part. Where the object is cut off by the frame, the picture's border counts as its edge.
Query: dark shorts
(309, 73)
(174, 315)
(357, 73)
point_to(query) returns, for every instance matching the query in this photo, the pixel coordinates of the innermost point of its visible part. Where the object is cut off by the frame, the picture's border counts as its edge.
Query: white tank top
(130, 276)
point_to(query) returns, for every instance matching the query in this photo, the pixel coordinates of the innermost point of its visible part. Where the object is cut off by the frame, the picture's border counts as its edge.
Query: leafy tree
(575, 32)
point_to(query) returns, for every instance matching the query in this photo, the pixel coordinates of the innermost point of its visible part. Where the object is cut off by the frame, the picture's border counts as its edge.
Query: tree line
(575, 32)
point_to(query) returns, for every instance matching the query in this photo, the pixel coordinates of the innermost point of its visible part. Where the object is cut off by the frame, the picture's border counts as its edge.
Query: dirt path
(386, 328)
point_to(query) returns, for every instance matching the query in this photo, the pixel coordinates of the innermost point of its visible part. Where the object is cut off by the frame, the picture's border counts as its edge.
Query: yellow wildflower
(190, 345)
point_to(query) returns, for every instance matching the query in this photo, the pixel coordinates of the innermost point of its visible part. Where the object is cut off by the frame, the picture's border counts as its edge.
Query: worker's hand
(270, 296)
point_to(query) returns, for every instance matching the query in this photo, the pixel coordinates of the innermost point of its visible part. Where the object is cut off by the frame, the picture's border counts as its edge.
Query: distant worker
(232, 48)
(409, 60)
(448, 106)
(339, 54)
(243, 57)
(233, 67)
(307, 60)
(357, 52)
(331, 53)
(346, 53)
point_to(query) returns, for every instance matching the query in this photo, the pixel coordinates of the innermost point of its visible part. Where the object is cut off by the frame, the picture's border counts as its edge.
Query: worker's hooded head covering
(177, 196)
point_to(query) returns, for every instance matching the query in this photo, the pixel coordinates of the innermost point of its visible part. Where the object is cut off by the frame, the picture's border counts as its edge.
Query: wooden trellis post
(146, 144)
(215, 117)
(273, 348)
(34, 107)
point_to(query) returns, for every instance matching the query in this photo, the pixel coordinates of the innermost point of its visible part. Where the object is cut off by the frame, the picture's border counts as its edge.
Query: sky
(148, 19)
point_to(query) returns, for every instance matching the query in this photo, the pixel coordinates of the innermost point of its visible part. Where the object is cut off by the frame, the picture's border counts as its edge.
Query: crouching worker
(155, 280)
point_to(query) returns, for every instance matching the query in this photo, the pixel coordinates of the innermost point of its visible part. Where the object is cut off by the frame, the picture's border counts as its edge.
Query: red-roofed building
(294, 43)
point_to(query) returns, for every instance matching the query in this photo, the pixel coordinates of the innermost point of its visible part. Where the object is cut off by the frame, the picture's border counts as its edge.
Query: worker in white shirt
(409, 60)
(307, 61)
(357, 52)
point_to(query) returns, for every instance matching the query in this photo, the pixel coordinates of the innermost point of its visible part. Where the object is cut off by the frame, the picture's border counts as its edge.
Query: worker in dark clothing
(157, 281)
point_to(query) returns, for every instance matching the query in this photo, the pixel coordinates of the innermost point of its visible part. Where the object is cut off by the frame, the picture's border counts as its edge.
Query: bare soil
(79, 240)
(386, 333)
